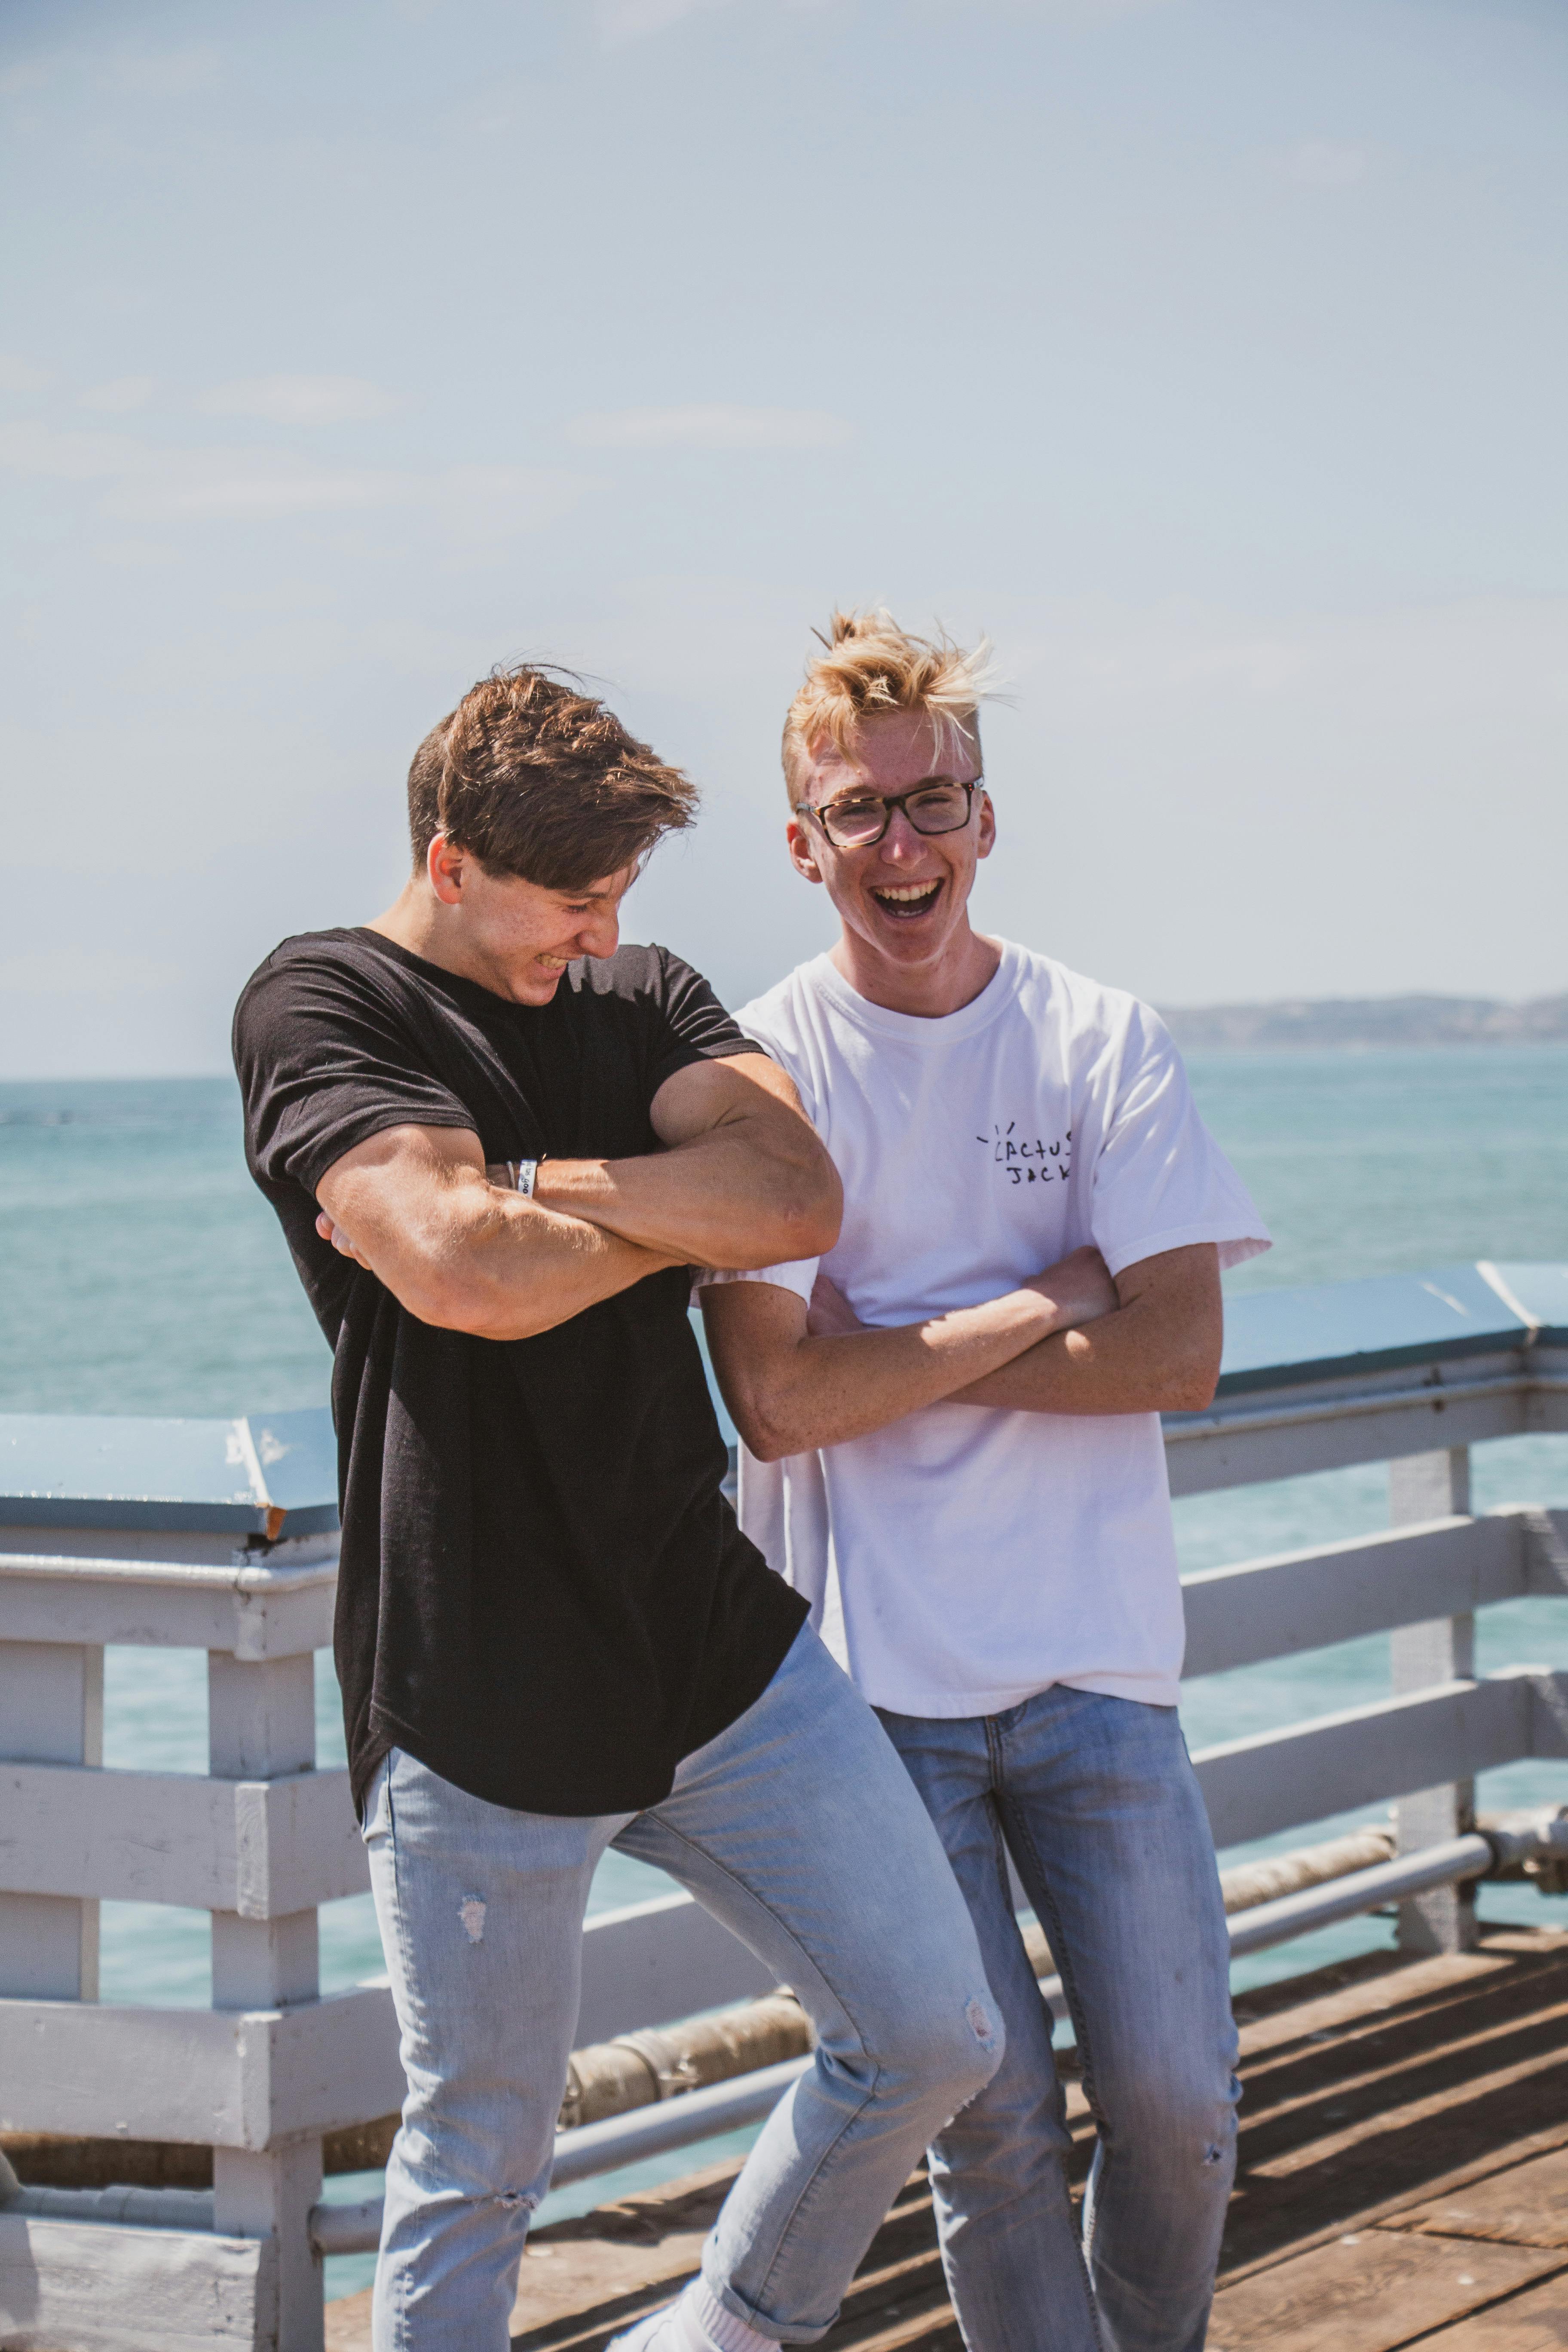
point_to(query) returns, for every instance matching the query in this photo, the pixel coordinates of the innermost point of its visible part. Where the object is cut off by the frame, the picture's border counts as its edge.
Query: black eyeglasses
(858, 819)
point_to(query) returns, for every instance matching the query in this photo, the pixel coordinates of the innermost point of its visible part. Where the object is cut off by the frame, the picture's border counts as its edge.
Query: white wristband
(525, 1173)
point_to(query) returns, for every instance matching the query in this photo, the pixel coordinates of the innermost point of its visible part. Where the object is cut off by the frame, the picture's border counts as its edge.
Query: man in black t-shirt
(496, 1143)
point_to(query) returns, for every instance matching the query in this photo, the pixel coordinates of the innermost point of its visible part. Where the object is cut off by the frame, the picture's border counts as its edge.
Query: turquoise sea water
(142, 1273)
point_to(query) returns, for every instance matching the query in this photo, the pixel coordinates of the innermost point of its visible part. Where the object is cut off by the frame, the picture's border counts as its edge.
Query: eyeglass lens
(853, 823)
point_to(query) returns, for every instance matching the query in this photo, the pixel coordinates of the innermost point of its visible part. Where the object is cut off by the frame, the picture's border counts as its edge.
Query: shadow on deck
(1404, 2179)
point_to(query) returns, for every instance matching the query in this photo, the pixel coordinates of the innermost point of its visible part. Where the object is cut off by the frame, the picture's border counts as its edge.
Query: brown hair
(870, 667)
(533, 777)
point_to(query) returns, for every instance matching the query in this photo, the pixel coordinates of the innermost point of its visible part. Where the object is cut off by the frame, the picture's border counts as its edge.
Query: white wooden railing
(264, 1837)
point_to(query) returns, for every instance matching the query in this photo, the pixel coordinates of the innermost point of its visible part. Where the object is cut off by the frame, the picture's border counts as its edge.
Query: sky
(1209, 355)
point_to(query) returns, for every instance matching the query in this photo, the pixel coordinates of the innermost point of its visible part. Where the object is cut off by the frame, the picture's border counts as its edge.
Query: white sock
(709, 2327)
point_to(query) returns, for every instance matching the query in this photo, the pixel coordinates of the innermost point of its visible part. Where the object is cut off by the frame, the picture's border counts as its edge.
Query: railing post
(262, 1724)
(1434, 1486)
(51, 1712)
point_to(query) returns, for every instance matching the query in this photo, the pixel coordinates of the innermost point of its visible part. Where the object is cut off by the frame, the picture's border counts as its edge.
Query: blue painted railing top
(269, 1474)
(274, 1475)
(1279, 1338)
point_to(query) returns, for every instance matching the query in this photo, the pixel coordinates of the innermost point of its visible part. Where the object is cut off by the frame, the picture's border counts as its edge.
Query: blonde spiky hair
(869, 667)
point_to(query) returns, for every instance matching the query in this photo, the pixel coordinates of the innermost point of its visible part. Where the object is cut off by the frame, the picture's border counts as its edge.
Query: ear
(800, 850)
(444, 865)
(988, 841)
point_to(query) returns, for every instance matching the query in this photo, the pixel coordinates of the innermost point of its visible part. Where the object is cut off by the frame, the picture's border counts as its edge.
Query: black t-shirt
(544, 1594)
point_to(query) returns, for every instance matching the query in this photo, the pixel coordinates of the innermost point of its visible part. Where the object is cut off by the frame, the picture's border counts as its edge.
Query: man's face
(903, 897)
(518, 938)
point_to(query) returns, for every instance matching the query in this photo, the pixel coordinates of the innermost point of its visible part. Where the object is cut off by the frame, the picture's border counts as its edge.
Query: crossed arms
(741, 1182)
(1070, 1340)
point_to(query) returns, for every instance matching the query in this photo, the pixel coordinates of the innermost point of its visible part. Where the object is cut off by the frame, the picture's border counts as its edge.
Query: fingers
(339, 1239)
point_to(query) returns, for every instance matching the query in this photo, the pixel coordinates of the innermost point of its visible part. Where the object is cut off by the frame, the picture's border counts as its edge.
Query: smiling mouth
(905, 900)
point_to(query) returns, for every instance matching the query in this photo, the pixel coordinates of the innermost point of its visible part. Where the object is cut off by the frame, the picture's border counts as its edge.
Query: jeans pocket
(377, 1821)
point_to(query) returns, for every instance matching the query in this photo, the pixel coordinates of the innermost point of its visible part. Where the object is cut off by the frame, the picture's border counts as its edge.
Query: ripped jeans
(1097, 1802)
(799, 1829)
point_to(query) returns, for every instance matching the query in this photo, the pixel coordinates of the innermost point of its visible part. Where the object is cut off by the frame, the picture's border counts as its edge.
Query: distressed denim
(799, 1829)
(1097, 1802)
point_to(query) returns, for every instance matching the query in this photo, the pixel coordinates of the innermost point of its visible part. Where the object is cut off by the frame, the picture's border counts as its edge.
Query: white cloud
(120, 395)
(99, 972)
(709, 426)
(144, 482)
(20, 375)
(299, 399)
(1323, 163)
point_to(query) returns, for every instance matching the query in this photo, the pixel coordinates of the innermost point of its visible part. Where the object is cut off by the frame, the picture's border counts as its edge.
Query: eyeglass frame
(967, 785)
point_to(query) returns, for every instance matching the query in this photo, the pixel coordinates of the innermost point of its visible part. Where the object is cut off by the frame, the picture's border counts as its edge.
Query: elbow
(1192, 1385)
(765, 1443)
(449, 1302)
(763, 1428)
(808, 1212)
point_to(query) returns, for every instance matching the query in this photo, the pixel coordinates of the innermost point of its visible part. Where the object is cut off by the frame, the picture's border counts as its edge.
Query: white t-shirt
(966, 1557)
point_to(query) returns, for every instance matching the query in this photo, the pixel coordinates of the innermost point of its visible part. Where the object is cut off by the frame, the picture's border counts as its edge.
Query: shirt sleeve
(1161, 1180)
(691, 1025)
(799, 1275)
(324, 1063)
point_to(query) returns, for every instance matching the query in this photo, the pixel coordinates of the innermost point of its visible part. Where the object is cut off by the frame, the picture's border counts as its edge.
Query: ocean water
(142, 1273)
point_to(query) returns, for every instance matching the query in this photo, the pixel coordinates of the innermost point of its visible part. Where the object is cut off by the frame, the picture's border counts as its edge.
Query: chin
(912, 941)
(537, 987)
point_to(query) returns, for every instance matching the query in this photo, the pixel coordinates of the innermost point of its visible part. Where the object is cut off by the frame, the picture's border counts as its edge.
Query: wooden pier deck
(1403, 2180)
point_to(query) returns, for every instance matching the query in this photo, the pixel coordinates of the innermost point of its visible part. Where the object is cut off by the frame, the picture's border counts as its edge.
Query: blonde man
(953, 1447)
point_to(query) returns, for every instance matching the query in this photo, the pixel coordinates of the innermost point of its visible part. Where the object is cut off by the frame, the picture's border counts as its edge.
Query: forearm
(731, 1198)
(464, 1256)
(1131, 1360)
(825, 1391)
(521, 1268)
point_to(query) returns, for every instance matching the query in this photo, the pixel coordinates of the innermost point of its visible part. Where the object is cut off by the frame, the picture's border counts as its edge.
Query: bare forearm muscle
(742, 1181)
(1159, 1351)
(791, 1390)
(414, 1206)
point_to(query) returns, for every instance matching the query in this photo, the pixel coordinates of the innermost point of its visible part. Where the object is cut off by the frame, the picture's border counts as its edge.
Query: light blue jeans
(1097, 1802)
(799, 1829)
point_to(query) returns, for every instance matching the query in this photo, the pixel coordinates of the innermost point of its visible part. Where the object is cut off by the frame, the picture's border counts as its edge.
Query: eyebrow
(871, 793)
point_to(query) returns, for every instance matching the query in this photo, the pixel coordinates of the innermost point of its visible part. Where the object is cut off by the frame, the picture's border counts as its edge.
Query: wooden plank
(1526, 2206)
(1280, 1780)
(1369, 2291)
(1351, 2155)
(1276, 1607)
(102, 2287)
(1533, 2322)
(228, 2079)
(263, 1848)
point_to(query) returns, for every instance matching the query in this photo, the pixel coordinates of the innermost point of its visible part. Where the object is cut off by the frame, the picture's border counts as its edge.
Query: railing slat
(1282, 1779)
(262, 1848)
(1275, 1607)
(218, 2078)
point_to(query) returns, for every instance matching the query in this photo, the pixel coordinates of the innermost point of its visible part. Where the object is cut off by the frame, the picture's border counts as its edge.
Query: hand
(1080, 1287)
(340, 1240)
(830, 1315)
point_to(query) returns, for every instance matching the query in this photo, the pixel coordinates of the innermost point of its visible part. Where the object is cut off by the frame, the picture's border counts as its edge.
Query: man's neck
(413, 922)
(967, 964)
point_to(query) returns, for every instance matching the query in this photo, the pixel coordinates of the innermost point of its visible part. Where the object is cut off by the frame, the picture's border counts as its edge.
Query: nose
(600, 936)
(900, 841)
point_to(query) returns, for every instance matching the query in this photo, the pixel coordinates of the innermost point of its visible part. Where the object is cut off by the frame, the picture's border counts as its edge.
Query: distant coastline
(1367, 1022)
